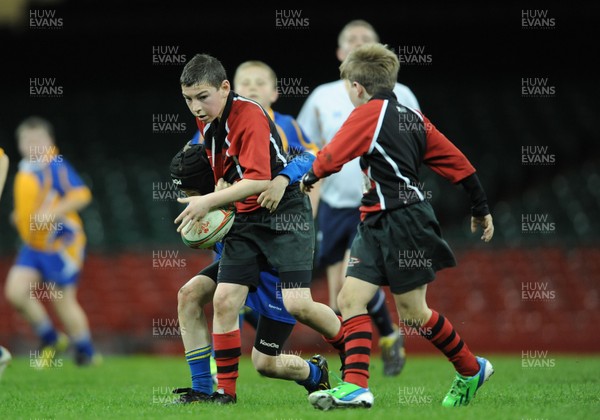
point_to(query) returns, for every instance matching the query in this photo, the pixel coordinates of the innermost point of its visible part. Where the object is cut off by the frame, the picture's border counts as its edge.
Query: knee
(187, 296)
(299, 308)
(13, 295)
(195, 293)
(187, 303)
(413, 316)
(224, 305)
(265, 365)
(346, 302)
(12, 298)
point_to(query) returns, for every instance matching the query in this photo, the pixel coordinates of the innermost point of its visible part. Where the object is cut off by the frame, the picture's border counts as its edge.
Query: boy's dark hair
(191, 170)
(203, 69)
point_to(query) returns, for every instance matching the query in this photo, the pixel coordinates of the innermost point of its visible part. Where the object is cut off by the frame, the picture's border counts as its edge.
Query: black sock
(380, 314)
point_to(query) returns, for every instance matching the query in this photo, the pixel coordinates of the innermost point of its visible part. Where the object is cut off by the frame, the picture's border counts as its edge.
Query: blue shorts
(266, 299)
(54, 267)
(337, 229)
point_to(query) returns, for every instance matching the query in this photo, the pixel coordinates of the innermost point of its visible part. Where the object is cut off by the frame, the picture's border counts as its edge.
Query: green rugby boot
(345, 395)
(464, 388)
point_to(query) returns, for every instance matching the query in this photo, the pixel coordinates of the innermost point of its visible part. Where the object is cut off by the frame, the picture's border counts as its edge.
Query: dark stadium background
(101, 56)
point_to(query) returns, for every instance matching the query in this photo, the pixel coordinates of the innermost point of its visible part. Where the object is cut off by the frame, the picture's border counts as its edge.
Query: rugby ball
(206, 232)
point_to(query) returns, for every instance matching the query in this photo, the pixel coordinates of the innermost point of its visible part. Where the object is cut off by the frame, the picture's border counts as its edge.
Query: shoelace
(457, 386)
(338, 379)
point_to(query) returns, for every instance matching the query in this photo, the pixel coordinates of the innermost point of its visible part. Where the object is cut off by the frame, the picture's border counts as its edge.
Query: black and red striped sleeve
(443, 157)
(353, 139)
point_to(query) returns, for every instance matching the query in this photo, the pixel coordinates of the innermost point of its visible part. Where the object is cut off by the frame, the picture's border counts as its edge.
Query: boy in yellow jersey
(257, 80)
(48, 193)
(5, 356)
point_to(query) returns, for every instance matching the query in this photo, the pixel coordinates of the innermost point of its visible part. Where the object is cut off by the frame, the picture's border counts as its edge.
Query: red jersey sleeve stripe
(353, 139)
(443, 157)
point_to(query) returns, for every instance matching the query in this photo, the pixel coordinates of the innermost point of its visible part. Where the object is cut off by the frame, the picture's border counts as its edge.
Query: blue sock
(199, 362)
(83, 344)
(46, 332)
(380, 314)
(313, 377)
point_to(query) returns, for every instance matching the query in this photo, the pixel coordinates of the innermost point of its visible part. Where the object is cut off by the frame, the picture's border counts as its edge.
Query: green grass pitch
(138, 387)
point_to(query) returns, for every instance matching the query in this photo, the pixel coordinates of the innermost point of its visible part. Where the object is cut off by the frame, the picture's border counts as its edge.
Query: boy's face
(353, 38)
(35, 143)
(206, 102)
(256, 83)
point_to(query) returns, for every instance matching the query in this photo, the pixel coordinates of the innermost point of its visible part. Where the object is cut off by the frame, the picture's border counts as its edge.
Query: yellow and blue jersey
(49, 241)
(293, 138)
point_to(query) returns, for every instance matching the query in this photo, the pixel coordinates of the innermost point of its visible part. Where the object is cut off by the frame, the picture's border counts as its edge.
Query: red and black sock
(358, 333)
(440, 332)
(338, 341)
(228, 349)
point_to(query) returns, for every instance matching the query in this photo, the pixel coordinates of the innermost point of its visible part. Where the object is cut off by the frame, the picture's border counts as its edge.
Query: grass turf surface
(136, 387)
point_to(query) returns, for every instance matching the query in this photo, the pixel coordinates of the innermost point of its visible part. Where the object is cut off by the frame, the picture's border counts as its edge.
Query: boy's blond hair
(372, 65)
(256, 63)
(35, 122)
